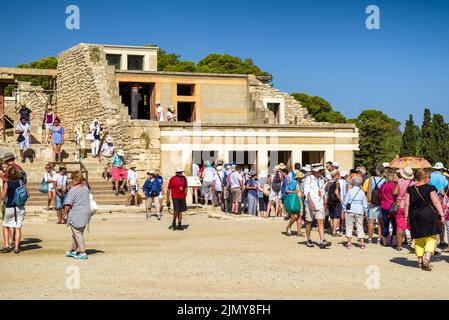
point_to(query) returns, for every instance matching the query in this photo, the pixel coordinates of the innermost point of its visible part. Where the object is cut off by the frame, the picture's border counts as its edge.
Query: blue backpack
(20, 195)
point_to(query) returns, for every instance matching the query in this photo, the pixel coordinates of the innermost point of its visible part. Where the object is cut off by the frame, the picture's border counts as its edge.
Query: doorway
(278, 157)
(186, 111)
(146, 101)
(245, 159)
(200, 157)
(312, 157)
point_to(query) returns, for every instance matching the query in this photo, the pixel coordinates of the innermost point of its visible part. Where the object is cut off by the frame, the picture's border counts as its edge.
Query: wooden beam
(28, 72)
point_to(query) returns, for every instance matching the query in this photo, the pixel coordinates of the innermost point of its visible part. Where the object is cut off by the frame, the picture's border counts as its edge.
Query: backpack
(276, 184)
(375, 194)
(20, 195)
(332, 198)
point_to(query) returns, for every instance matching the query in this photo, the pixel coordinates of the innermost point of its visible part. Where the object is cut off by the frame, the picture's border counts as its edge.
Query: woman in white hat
(171, 114)
(49, 119)
(406, 181)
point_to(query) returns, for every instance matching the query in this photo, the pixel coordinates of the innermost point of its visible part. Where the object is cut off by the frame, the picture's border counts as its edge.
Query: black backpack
(375, 194)
(332, 198)
(276, 184)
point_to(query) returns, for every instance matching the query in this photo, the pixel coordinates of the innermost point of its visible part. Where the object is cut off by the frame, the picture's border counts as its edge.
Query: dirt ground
(238, 258)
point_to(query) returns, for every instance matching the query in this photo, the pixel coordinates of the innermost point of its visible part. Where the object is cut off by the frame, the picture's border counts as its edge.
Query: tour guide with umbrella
(410, 162)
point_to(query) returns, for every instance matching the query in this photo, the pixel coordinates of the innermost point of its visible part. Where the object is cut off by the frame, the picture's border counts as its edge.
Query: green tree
(426, 147)
(439, 133)
(319, 108)
(380, 138)
(409, 139)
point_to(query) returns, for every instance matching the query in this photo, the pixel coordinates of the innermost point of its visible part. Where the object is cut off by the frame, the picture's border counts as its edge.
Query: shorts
(275, 196)
(134, 190)
(335, 211)
(180, 205)
(25, 144)
(119, 174)
(424, 245)
(263, 204)
(9, 220)
(105, 161)
(374, 212)
(311, 215)
(155, 201)
(59, 202)
(236, 194)
(48, 125)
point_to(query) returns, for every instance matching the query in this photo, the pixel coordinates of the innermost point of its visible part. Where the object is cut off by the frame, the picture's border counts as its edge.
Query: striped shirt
(357, 198)
(80, 212)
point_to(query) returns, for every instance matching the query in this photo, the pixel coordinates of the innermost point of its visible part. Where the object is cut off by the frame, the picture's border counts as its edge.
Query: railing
(83, 168)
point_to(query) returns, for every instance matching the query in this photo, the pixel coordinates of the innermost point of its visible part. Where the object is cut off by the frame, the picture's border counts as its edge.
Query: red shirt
(178, 187)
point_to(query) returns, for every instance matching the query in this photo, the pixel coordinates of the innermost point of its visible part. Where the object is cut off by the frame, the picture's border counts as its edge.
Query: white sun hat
(439, 166)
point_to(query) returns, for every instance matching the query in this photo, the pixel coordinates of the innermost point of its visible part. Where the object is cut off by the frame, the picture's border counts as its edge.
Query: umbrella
(410, 162)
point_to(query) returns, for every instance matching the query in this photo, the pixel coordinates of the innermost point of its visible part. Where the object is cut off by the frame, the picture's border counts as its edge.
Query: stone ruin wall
(86, 90)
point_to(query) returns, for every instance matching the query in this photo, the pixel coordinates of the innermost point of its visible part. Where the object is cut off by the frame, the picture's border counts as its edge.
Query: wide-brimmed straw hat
(407, 173)
(179, 170)
(299, 175)
(151, 173)
(334, 173)
(121, 153)
(8, 156)
(109, 139)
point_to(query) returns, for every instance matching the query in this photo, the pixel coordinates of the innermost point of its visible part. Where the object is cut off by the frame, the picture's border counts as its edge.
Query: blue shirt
(252, 183)
(438, 181)
(357, 198)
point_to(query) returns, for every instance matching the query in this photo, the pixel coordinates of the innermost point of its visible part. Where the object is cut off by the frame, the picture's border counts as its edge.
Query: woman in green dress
(293, 204)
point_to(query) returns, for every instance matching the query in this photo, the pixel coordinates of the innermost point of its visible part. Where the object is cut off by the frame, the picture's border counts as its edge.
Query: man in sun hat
(133, 185)
(315, 204)
(119, 175)
(152, 189)
(437, 179)
(106, 154)
(177, 191)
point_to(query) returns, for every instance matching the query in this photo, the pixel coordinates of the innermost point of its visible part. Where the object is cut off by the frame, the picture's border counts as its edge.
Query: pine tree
(425, 149)
(409, 139)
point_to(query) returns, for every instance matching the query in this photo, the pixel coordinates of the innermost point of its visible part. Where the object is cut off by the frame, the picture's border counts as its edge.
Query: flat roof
(314, 125)
(29, 72)
(127, 47)
(190, 74)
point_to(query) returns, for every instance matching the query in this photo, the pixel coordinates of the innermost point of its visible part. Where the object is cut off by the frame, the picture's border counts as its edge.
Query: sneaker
(310, 244)
(159, 217)
(173, 227)
(324, 244)
(81, 257)
(71, 254)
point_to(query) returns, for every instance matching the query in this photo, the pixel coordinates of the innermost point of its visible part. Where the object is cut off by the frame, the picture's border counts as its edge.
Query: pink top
(386, 195)
(404, 184)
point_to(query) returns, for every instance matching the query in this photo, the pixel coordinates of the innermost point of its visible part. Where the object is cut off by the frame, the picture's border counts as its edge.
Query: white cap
(344, 173)
(386, 165)
(109, 139)
(336, 165)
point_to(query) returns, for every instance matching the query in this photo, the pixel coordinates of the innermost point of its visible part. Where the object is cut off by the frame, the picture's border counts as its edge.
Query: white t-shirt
(218, 177)
(160, 110)
(315, 188)
(107, 150)
(195, 170)
(61, 182)
(132, 178)
(25, 128)
(170, 116)
(48, 178)
(235, 179)
(209, 174)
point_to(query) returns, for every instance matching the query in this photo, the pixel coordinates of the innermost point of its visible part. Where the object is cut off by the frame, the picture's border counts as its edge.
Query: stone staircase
(102, 190)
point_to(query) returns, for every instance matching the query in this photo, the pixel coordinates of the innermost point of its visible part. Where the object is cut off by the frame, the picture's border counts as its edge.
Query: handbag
(93, 204)
(43, 188)
(349, 205)
(90, 137)
(394, 209)
(292, 204)
(20, 138)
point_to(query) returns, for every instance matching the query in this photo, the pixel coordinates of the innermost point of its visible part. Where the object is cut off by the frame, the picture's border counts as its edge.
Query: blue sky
(318, 47)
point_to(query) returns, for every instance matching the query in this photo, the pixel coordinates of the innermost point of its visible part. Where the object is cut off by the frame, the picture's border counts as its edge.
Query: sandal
(300, 234)
(337, 235)
(362, 246)
(288, 232)
(348, 246)
(426, 266)
(6, 249)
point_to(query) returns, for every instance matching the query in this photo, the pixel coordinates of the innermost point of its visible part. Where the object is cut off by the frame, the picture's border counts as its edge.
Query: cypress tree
(409, 139)
(425, 149)
(439, 147)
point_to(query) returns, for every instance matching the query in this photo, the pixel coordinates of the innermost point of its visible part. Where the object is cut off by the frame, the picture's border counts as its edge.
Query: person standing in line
(252, 186)
(61, 188)
(14, 214)
(275, 192)
(388, 194)
(218, 188)
(177, 190)
(195, 190)
(57, 139)
(119, 175)
(439, 181)
(152, 189)
(315, 205)
(106, 154)
(334, 203)
(294, 205)
(208, 177)
(228, 193)
(375, 182)
(77, 212)
(236, 185)
(133, 186)
(95, 131)
(406, 181)
(424, 212)
(263, 198)
(356, 208)
(24, 132)
(49, 119)
(342, 190)
(49, 178)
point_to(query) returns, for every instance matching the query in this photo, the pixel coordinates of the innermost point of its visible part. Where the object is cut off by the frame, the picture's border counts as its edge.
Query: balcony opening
(139, 98)
(312, 157)
(114, 60)
(135, 63)
(186, 90)
(186, 111)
